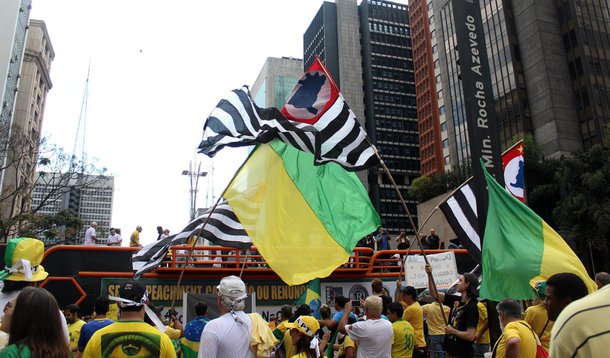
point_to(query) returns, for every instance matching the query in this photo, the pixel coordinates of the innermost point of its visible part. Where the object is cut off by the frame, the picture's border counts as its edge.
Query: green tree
(582, 212)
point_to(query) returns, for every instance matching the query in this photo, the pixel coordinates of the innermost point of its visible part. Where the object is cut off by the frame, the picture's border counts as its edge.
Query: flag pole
(203, 226)
(422, 250)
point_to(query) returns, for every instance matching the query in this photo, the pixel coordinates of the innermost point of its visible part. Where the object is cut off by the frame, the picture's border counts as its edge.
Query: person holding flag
(464, 317)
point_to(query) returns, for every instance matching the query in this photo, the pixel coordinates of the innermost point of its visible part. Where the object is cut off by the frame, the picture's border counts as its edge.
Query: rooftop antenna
(82, 122)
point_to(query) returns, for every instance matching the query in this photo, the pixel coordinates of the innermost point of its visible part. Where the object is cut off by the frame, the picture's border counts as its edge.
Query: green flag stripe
(337, 197)
(513, 234)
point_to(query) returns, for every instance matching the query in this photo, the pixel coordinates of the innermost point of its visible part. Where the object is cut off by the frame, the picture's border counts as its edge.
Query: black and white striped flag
(222, 229)
(315, 119)
(460, 210)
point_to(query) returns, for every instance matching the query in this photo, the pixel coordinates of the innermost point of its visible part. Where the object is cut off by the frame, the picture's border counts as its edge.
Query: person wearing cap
(22, 260)
(304, 336)
(90, 236)
(134, 240)
(130, 336)
(228, 336)
(536, 316)
(372, 336)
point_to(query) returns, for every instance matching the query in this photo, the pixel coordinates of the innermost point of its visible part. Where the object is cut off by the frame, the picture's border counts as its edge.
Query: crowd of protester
(564, 321)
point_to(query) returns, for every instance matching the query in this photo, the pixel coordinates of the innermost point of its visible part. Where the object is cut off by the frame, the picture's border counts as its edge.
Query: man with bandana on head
(131, 336)
(228, 336)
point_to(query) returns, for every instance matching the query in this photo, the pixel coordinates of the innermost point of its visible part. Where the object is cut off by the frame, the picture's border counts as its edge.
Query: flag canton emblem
(311, 97)
(513, 164)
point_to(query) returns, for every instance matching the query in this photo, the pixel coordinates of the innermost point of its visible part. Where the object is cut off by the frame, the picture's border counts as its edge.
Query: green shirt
(13, 350)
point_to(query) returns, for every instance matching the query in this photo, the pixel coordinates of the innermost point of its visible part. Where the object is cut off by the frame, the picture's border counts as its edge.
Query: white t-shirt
(373, 336)
(115, 239)
(224, 337)
(89, 234)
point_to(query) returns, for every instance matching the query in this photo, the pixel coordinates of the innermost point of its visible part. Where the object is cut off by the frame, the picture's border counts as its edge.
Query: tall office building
(34, 84)
(433, 141)
(367, 50)
(276, 80)
(89, 202)
(14, 17)
(550, 72)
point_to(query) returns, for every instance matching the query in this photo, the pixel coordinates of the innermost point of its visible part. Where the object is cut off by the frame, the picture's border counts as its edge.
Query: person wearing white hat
(228, 336)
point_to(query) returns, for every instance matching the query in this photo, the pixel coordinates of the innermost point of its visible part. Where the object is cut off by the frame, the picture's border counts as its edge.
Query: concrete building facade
(34, 84)
(14, 17)
(88, 197)
(550, 72)
(276, 80)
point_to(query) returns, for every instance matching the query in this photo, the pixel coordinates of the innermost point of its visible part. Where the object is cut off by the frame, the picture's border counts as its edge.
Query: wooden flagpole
(402, 201)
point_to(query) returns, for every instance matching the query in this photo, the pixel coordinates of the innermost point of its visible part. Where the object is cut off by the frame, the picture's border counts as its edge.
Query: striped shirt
(583, 327)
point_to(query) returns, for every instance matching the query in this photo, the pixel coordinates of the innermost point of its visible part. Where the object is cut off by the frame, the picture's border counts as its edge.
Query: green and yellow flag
(311, 297)
(304, 220)
(518, 245)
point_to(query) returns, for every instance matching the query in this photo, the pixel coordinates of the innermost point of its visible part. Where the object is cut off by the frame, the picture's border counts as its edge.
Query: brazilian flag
(311, 296)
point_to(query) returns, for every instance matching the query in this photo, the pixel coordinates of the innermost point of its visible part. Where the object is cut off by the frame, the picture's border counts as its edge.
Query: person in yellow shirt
(436, 327)
(347, 349)
(536, 316)
(285, 315)
(517, 339)
(481, 337)
(415, 316)
(74, 325)
(131, 334)
(403, 341)
(303, 332)
(134, 240)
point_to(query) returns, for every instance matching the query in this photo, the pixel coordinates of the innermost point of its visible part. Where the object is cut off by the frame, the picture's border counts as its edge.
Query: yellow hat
(308, 325)
(538, 283)
(22, 259)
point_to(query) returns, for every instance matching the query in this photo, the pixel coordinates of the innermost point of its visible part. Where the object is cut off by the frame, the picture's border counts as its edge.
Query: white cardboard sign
(444, 270)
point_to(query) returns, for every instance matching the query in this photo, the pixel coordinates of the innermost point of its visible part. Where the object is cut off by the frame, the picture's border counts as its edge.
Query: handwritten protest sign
(444, 270)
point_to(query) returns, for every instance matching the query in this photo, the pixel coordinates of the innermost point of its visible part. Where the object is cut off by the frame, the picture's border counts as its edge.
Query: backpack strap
(543, 328)
(534, 333)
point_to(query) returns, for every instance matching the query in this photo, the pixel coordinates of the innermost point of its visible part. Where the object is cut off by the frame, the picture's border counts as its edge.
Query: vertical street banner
(514, 170)
(478, 99)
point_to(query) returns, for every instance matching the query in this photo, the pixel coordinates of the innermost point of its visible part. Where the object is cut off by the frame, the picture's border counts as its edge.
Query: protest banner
(444, 269)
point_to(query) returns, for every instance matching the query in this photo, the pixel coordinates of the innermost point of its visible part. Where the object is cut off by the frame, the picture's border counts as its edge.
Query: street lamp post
(194, 181)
